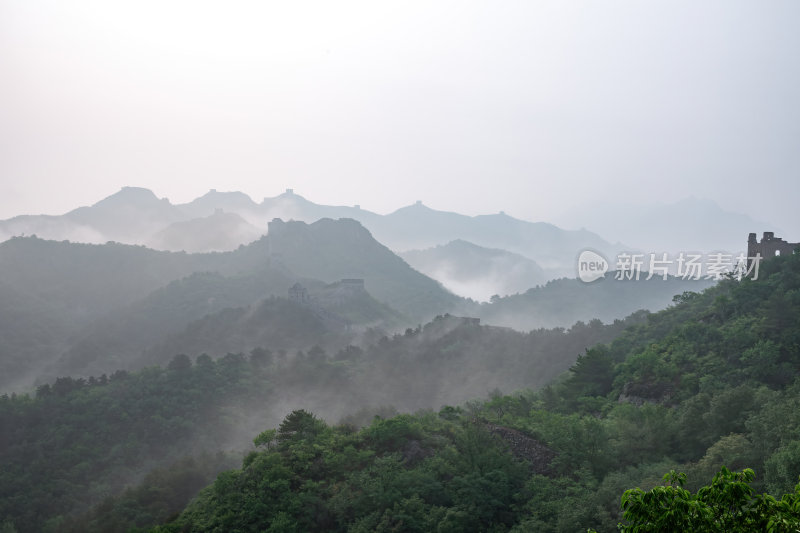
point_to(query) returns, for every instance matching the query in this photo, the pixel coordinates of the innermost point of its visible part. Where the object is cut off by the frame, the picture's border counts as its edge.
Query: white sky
(531, 107)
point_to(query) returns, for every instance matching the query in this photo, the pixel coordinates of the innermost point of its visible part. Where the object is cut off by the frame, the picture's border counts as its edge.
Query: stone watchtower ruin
(298, 294)
(770, 246)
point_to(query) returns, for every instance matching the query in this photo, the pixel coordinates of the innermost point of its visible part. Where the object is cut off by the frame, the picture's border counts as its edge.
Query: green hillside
(75, 445)
(77, 309)
(710, 382)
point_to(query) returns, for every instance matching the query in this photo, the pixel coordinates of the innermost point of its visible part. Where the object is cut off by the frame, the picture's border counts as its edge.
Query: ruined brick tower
(770, 245)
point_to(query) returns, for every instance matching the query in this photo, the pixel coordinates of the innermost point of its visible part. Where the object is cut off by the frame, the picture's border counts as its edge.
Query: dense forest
(705, 387)
(468, 269)
(77, 441)
(80, 309)
(69, 309)
(710, 382)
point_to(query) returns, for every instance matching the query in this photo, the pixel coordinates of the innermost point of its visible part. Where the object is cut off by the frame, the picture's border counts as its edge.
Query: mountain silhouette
(136, 216)
(113, 300)
(218, 232)
(476, 272)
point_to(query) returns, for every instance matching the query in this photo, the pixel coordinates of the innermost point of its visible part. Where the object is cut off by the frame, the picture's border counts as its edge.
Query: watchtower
(770, 245)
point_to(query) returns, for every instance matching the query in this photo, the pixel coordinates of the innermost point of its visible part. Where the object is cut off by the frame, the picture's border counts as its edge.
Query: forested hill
(562, 302)
(76, 443)
(92, 279)
(65, 306)
(333, 249)
(712, 381)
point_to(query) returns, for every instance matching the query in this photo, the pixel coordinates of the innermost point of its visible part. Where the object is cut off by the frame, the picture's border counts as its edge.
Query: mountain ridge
(135, 215)
(97, 287)
(475, 271)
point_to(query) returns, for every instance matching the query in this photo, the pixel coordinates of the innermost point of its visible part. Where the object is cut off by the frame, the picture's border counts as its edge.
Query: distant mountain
(32, 333)
(119, 339)
(346, 303)
(330, 250)
(330, 317)
(292, 206)
(691, 224)
(137, 216)
(108, 303)
(57, 228)
(88, 280)
(563, 302)
(128, 215)
(51, 290)
(214, 314)
(476, 272)
(275, 323)
(418, 226)
(218, 232)
(229, 202)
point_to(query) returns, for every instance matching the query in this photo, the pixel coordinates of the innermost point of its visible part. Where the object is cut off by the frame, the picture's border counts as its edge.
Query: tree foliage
(729, 504)
(712, 381)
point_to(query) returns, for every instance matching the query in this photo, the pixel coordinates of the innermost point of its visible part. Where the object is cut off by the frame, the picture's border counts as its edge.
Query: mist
(255, 257)
(538, 108)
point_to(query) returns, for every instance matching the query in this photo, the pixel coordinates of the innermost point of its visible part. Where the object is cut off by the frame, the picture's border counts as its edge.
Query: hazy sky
(531, 107)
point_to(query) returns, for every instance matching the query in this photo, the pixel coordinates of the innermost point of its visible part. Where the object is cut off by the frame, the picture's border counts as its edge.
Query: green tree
(728, 505)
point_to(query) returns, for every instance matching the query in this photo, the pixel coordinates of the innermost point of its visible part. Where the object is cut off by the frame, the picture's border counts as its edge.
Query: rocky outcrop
(526, 448)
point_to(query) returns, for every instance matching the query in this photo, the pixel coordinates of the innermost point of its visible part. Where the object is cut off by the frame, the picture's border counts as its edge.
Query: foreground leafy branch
(729, 504)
